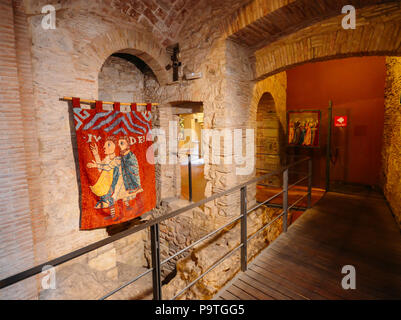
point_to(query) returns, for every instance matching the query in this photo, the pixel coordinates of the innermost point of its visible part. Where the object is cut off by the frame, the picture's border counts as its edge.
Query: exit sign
(340, 121)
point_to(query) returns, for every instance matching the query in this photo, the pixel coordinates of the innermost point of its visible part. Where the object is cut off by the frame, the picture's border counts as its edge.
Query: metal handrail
(154, 226)
(126, 284)
(265, 202)
(200, 240)
(265, 226)
(296, 202)
(227, 255)
(298, 182)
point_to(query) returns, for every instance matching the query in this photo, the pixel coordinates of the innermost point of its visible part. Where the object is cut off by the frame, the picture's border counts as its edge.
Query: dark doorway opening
(356, 88)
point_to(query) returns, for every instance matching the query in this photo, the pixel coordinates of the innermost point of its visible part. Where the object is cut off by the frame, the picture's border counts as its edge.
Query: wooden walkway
(306, 262)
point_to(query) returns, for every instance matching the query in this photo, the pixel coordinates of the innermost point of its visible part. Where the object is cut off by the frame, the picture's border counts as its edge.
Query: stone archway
(259, 22)
(139, 44)
(268, 101)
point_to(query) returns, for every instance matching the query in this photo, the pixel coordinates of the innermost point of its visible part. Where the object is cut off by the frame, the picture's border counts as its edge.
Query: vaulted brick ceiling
(262, 22)
(166, 17)
(162, 18)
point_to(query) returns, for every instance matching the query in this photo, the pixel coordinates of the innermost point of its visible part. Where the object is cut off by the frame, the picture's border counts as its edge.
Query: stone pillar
(391, 152)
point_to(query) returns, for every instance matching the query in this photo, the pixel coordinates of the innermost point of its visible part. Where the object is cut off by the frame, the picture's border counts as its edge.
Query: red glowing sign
(340, 121)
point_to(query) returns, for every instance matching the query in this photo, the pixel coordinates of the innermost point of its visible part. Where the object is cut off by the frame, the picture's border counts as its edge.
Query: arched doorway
(356, 88)
(268, 143)
(126, 78)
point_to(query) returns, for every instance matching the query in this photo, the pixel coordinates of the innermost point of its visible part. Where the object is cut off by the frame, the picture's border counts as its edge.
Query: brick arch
(272, 94)
(268, 138)
(260, 22)
(131, 41)
(267, 103)
(328, 40)
(276, 86)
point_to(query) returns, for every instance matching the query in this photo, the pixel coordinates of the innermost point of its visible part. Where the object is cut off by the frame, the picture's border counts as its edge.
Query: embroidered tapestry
(117, 173)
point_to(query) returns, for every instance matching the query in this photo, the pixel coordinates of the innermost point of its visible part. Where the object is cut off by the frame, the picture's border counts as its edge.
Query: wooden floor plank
(314, 289)
(300, 286)
(306, 262)
(279, 284)
(315, 277)
(240, 293)
(229, 296)
(264, 285)
(258, 294)
(366, 273)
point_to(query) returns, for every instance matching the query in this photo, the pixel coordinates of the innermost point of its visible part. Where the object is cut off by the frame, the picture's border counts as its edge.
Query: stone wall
(120, 80)
(202, 50)
(40, 67)
(226, 105)
(391, 152)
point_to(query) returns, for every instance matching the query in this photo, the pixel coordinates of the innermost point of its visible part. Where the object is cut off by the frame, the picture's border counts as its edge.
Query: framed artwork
(303, 128)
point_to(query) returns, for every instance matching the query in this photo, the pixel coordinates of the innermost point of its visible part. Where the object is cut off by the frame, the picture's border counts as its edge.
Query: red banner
(117, 180)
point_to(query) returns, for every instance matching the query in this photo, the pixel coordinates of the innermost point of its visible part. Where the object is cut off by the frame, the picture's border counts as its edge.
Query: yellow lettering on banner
(90, 136)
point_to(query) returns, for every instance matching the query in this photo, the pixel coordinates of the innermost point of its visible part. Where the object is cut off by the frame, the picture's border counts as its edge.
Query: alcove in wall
(190, 126)
(269, 135)
(126, 78)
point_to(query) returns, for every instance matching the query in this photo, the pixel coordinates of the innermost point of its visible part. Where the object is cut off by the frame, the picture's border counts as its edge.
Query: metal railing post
(328, 150)
(309, 205)
(285, 199)
(244, 233)
(156, 274)
(190, 178)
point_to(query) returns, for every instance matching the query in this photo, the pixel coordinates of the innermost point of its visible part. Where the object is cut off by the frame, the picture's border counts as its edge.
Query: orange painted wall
(356, 87)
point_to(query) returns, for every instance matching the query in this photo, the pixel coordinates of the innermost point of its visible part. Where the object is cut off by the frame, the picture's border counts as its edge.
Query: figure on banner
(297, 133)
(291, 133)
(126, 181)
(119, 178)
(108, 167)
(308, 133)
